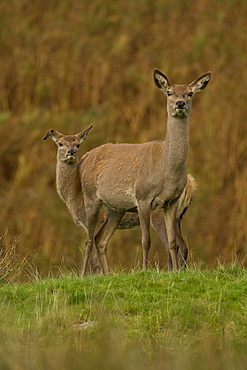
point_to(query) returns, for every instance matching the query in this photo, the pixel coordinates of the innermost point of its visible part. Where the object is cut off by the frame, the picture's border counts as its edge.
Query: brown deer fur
(69, 189)
(146, 176)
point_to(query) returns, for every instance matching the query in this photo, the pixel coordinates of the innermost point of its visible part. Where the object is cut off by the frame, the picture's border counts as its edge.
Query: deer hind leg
(144, 215)
(105, 233)
(170, 221)
(182, 246)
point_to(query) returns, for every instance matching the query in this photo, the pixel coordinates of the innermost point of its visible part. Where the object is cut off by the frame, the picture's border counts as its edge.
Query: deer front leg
(92, 213)
(87, 252)
(170, 221)
(158, 223)
(95, 263)
(102, 238)
(144, 216)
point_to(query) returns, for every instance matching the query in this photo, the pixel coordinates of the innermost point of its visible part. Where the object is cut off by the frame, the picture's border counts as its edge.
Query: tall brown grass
(67, 64)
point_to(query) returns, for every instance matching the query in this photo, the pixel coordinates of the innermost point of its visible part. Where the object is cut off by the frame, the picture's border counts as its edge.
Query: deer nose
(180, 104)
(71, 152)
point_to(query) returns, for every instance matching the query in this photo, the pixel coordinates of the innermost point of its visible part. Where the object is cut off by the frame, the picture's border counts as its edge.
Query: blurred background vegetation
(67, 64)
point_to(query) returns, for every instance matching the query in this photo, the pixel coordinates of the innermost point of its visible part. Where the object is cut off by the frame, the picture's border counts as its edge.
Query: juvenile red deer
(147, 176)
(69, 189)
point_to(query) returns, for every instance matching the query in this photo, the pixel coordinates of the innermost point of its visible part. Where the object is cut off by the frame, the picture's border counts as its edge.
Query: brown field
(67, 64)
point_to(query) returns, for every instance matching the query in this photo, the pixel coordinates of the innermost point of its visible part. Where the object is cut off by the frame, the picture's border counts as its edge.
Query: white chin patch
(180, 112)
(70, 159)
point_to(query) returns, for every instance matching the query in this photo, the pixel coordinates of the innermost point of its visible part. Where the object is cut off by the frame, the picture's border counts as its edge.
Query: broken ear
(83, 134)
(53, 134)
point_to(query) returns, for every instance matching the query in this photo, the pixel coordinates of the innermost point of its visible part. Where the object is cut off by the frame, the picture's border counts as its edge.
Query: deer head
(68, 145)
(179, 97)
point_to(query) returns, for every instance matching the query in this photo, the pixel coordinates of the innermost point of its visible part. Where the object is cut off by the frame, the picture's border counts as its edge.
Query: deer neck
(176, 145)
(67, 180)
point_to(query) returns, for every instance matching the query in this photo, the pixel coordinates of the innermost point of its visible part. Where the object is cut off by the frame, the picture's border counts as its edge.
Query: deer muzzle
(70, 156)
(180, 104)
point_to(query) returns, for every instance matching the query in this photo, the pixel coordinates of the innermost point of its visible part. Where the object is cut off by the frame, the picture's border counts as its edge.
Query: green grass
(146, 319)
(67, 64)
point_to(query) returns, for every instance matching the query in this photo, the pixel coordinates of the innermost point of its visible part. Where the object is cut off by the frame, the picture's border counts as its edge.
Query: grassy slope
(66, 64)
(144, 319)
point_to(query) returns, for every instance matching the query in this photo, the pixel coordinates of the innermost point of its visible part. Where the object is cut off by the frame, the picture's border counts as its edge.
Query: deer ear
(83, 134)
(160, 80)
(53, 134)
(200, 83)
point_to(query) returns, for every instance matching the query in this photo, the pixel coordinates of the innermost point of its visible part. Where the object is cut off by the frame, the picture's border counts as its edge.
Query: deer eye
(168, 93)
(190, 94)
(78, 145)
(60, 144)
